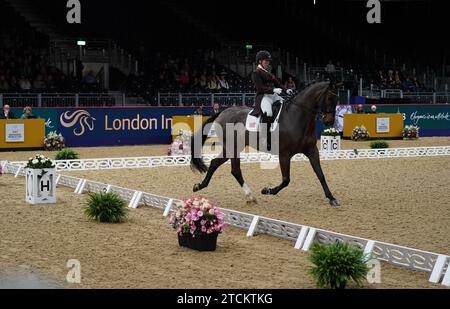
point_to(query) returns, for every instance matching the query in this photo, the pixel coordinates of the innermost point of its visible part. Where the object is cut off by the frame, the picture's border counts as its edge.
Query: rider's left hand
(289, 91)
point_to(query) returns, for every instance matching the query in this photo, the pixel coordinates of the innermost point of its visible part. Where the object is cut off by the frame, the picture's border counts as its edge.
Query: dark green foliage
(337, 264)
(67, 154)
(106, 207)
(379, 144)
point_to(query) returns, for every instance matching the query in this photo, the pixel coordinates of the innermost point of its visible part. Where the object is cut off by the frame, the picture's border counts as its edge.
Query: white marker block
(309, 239)
(168, 207)
(301, 237)
(252, 228)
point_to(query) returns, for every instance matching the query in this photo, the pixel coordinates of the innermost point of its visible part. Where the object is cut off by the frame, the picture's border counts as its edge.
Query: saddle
(252, 123)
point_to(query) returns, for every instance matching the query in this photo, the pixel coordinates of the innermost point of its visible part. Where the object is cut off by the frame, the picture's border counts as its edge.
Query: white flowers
(40, 161)
(330, 132)
(54, 141)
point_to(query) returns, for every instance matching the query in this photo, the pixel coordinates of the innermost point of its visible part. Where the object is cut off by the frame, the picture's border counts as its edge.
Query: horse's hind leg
(237, 173)
(314, 159)
(285, 166)
(215, 163)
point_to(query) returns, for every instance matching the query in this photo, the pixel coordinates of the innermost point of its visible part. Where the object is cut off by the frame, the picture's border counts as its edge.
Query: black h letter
(45, 186)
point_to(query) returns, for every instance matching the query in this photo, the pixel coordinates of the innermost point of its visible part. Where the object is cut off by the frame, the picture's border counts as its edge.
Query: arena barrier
(257, 157)
(438, 265)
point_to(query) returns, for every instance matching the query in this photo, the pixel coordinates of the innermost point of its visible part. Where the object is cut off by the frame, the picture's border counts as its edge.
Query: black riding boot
(268, 121)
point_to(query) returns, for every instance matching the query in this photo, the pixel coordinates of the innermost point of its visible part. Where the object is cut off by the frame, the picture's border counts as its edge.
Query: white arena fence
(257, 157)
(303, 236)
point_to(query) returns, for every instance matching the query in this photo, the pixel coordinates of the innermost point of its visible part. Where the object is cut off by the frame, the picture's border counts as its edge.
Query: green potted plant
(67, 154)
(106, 207)
(40, 180)
(337, 264)
(198, 223)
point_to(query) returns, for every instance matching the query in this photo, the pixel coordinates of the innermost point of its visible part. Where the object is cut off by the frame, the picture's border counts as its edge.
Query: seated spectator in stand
(184, 79)
(24, 84)
(223, 84)
(4, 85)
(203, 81)
(213, 84)
(359, 109)
(373, 109)
(290, 84)
(90, 78)
(27, 113)
(38, 83)
(7, 113)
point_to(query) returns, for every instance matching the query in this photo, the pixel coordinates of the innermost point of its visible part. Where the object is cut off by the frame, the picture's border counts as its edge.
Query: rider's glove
(289, 91)
(277, 90)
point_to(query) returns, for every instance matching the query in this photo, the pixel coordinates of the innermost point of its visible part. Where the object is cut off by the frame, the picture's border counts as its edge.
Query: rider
(268, 90)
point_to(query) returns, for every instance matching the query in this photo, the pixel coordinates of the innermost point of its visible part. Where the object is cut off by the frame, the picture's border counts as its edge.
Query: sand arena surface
(402, 201)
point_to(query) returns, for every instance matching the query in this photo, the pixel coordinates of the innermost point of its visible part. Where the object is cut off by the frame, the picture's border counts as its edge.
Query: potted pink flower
(198, 223)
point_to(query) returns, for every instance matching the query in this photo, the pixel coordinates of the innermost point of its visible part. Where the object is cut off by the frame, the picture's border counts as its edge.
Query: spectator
(4, 85)
(7, 113)
(330, 68)
(24, 84)
(38, 83)
(216, 109)
(184, 78)
(373, 109)
(199, 111)
(290, 84)
(223, 84)
(359, 109)
(203, 81)
(213, 84)
(27, 113)
(89, 78)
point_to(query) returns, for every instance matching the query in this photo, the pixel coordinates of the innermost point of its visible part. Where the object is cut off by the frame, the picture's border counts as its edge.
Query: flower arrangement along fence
(198, 223)
(360, 134)
(54, 141)
(181, 145)
(410, 132)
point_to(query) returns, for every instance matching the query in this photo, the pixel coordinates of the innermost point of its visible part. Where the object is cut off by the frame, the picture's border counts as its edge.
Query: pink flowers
(197, 215)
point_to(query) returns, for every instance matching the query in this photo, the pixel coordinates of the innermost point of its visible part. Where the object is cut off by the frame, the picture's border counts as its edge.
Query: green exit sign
(248, 46)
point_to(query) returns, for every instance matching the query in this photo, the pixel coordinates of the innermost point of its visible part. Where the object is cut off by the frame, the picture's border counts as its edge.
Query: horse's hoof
(266, 191)
(196, 187)
(334, 203)
(252, 201)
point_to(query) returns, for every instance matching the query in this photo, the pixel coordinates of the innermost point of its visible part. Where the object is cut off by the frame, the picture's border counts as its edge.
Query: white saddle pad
(252, 122)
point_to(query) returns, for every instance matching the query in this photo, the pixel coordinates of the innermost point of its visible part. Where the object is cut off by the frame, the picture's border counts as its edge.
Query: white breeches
(267, 101)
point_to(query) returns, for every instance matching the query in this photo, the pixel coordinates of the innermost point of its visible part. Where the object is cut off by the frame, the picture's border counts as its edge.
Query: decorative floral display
(330, 132)
(181, 145)
(39, 162)
(360, 134)
(197, 216)
(54, 141)
(411, 132)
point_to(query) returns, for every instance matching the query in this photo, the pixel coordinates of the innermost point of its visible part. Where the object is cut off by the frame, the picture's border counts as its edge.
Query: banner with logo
(153, 125)
(117, 126)
(433, 120)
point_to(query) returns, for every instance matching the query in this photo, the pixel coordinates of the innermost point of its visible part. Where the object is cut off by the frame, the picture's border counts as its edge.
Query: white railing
(303, 236)
(60, 99)
(255, 157)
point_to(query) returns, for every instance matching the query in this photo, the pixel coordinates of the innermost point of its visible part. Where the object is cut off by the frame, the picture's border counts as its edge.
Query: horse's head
(327, 100)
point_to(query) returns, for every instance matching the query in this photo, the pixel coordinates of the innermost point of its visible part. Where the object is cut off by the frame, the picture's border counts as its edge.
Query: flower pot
(201, 242)
(330, 143)
(40, 185)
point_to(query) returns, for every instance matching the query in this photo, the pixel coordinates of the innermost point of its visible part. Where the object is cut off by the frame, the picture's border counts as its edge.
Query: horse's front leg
(285, 166)
(314, 159)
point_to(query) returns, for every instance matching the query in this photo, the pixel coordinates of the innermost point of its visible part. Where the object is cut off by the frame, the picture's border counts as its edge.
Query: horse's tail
(196, 154)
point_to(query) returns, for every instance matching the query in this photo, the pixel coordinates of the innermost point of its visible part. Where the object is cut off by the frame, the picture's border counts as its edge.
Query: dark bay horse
(297, 134)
